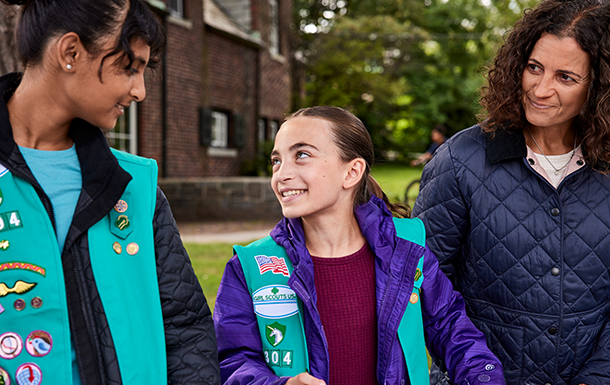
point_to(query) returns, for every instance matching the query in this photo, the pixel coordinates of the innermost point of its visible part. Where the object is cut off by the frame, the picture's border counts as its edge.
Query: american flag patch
(273, 264)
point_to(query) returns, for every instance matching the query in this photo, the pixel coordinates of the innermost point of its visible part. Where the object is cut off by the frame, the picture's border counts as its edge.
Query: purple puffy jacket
(450, 335)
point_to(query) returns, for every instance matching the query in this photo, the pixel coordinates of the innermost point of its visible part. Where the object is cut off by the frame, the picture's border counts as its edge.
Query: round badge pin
(120, 206)
(38, 343)
(28, 374)
(5, 379)
(117, 247)
(133, 248)
(19, 304)
(414, 298)
(36, 302)
(11, 345)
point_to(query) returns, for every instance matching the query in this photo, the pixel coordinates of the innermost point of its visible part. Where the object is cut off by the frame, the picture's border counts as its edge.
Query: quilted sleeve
(596, 370)
(239, 343)
(189, 329)
(441, 207)
(450, 335)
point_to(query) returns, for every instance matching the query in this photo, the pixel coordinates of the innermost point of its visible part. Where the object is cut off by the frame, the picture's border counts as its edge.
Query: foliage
(260, 164)
(402, 66)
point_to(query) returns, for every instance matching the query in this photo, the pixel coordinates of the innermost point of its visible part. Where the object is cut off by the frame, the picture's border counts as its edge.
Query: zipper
(85, 317)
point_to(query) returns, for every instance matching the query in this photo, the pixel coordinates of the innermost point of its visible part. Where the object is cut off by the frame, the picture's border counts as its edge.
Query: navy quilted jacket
(449, 333)
(531, 261)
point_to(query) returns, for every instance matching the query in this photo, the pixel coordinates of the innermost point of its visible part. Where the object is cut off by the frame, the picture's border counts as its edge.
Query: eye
(274, 161)
(302, 154)
(532, 67)
(566, 79)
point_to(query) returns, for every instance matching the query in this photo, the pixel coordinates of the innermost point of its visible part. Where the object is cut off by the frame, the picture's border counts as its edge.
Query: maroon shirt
(346, 302)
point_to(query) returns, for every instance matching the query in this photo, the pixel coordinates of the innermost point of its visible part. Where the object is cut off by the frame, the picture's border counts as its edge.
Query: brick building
(221, 90)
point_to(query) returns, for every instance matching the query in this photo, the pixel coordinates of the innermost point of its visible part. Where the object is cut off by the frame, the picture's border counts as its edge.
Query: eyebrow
(560, 70)
(296, 146)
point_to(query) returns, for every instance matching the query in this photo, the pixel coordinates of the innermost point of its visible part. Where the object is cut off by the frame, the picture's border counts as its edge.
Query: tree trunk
(9, 61)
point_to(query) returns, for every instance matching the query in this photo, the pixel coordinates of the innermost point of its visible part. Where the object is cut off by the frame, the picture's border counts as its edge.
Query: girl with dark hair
(518, 203)
(95, 285)
(340, 292)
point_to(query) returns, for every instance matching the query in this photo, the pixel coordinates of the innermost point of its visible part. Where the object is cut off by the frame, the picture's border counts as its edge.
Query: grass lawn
(394, 178)
(209, 260)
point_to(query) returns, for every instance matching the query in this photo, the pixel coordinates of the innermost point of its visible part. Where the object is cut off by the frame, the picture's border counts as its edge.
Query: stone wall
(226, 198)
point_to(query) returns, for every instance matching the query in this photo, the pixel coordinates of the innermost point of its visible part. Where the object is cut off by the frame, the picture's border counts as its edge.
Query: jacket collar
(505, 145)
(103, 179)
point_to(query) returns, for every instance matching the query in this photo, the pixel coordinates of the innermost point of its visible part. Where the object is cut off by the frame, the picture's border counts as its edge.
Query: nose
(545, 86)
(138, 89)
(283, 172)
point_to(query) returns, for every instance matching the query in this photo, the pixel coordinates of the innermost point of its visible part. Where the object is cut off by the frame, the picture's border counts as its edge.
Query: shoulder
(130, 159)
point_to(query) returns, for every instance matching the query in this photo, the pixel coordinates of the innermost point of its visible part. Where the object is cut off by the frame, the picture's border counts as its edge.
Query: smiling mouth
(291, 193)
(540, 106)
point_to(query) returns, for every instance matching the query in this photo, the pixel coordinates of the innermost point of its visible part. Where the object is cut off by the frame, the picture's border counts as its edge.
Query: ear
(70, 51)
(355, 171)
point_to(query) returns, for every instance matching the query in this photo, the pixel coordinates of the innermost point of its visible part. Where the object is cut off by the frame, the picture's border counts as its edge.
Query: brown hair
(586, 21)
(353, 141)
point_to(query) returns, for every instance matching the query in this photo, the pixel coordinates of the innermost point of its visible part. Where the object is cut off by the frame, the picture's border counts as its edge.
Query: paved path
(227, 237)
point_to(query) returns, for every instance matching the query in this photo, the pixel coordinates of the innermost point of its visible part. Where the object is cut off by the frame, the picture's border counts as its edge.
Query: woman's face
(101, 101)
(555, 82)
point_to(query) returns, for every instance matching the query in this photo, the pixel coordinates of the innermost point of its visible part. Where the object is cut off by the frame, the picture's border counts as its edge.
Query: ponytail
(401, 210)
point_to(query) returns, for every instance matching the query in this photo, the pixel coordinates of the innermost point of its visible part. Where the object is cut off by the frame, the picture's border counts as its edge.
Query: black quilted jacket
(531, 261)
(189, 330)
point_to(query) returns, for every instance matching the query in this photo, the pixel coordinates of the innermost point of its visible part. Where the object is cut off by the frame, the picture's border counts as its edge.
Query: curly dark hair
(587, 22)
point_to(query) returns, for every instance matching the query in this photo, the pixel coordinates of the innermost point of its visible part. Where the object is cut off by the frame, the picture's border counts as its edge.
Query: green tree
(402, 66)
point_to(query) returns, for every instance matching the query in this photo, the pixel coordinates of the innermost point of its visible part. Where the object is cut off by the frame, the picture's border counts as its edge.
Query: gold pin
(122, 222)
(36, 302)
(414, 298)
(133, 248)
(117, 248)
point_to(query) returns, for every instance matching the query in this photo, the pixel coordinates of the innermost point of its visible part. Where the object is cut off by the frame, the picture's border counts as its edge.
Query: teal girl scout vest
(34, 325)
(279, 312)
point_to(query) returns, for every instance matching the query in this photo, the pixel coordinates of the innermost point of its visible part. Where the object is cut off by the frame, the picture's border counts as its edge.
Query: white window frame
(220, 130)
(125, 131)
(274, 27)
(262, 128)
(274, 126)
(178, 11)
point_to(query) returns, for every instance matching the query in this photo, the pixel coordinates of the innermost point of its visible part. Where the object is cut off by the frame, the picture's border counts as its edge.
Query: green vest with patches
(34, 325)
(278, 311)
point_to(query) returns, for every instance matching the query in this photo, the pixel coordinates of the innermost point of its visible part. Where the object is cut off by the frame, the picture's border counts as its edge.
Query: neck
(333, 236)
(36, 115)
(551, 140)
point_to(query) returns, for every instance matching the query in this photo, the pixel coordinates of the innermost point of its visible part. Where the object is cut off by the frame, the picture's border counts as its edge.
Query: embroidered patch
(3, 170)
(1, 197)
(4, 377)
(275, 302)
(4, 244)
(414, 298)
(36, 302)
(20, 287)
(273, 264)
(122, 222)
(1, 311)
(29, 374)
(275, 333)
(24, 266)
(38, 343)
(10, 345)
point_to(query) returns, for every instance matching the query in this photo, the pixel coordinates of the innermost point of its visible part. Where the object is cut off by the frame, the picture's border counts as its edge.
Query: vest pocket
(506, 342)
(586, 340)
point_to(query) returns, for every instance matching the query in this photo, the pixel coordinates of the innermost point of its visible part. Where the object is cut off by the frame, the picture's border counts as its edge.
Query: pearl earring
(69, 66)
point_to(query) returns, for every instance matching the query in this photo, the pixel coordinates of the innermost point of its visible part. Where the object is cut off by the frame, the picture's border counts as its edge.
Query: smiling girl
(341, 292)
(99, 289)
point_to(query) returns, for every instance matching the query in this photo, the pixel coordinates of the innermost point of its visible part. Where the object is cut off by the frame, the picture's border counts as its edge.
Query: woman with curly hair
(518, 205)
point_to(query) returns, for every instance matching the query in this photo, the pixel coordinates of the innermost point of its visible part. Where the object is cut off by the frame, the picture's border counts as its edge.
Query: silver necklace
(557, 170)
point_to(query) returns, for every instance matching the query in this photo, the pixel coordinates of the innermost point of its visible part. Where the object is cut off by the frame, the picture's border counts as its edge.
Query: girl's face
(101, 101)
(555, 82)
(308, 173)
